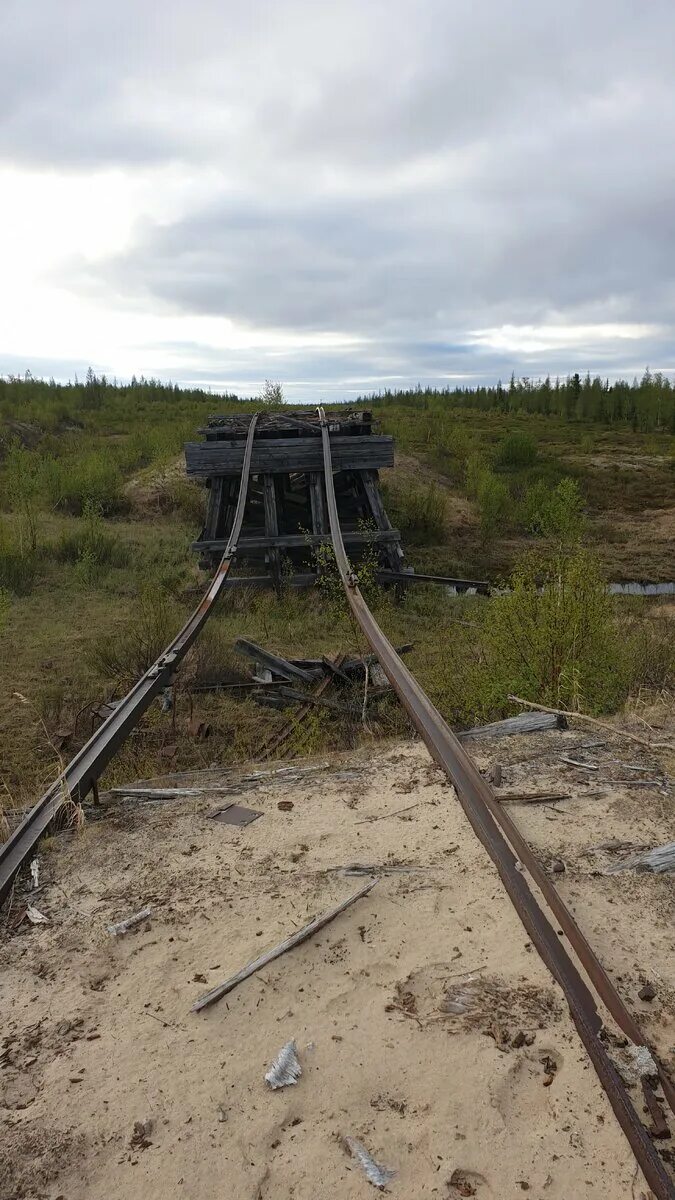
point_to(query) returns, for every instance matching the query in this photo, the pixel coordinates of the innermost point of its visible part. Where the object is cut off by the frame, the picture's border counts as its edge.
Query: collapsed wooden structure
(285, 517)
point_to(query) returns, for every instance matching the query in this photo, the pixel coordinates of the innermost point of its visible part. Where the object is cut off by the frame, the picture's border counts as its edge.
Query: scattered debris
(532, 797)
(465, 1183)
(377, 1175)
(35, 916)
(130, 923)
(378, 869)
(236, 814)
(300, 935)
(275, 663)
(576, 762)
(171, 793)
(640, 1064)
(523, 723)
(222, 1114)
(659, 1127)
(661, 859)
(648, 992)
(140, 1138)
(286, 1069)
(396, 813)
(35, 873)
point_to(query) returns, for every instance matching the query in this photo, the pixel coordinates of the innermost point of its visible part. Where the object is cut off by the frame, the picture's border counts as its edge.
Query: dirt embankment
(426, 1025)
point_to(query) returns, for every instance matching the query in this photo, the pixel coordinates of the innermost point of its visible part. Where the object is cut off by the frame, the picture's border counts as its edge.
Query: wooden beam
(296, 541)
(271, 530)
(206, 459)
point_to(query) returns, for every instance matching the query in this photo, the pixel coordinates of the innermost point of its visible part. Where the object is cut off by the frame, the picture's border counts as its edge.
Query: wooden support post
(369, 480)
(318, 503)
(272, 528)
(94, 792)
(214, 507)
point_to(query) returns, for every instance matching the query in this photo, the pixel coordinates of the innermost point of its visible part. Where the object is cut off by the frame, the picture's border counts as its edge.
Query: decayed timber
(300, 935)
(286, 517)
(206, 460)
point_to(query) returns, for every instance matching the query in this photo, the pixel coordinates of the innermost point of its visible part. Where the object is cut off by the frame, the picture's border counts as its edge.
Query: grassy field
(96, 575)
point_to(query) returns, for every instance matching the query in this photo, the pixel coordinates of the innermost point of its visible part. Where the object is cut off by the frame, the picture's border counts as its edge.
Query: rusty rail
(485, 816)
(82, 773)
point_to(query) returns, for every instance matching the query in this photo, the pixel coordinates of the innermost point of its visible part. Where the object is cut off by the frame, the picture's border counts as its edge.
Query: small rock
(199, 978)
(222, 1115)
(518, 1040)
(285, 805)
(647, 992)
(558, 866)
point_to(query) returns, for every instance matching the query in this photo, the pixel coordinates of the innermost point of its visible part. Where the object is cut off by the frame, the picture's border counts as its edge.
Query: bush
(18, 563)
(92, 542)
(555, 513)
(4, 608)
(417, 510)
(186, 498)
(516, 450)
(69, 483)
(494, 504)
(553, 637)
(128, 652)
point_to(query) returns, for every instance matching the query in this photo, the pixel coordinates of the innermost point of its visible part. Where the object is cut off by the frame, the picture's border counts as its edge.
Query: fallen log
(523, 723)
(658, 860)
(577, 716)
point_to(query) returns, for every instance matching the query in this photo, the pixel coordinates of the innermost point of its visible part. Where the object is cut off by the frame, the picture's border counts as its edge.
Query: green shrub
(126, 653)
(68, 483)
(4, 608)
(418, 510)
(18, 563)
(516, 450)
(186, 498)
(556, 513)
(553, 638)
(494, 504)
(91, 542)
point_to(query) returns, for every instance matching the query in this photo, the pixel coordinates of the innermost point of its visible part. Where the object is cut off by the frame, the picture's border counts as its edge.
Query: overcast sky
(341, 196)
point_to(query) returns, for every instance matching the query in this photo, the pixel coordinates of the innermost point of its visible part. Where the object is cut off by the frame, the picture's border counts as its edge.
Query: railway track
(501, 839)
(83, 771)
(499, 835)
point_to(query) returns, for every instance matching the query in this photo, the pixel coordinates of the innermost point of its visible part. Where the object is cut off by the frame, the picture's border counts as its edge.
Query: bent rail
(482, 811)
(85, 768)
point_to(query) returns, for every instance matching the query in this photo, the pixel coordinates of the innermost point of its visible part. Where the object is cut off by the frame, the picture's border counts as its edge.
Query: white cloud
(348, 193)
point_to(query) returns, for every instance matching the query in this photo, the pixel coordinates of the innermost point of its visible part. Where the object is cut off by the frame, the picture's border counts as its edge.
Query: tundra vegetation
(546, 489)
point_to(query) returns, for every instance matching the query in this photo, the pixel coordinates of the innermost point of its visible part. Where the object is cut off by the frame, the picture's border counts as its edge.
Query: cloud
(443, 190)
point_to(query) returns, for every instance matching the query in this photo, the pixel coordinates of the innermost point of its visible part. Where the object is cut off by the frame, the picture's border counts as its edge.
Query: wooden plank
(297, 541)
(206, 459)
(271, 529)
(318, 504)
(300, 935)
(280, 666)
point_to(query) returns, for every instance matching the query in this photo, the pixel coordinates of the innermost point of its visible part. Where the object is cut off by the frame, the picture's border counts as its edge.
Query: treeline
(96, 400)
(646, 405)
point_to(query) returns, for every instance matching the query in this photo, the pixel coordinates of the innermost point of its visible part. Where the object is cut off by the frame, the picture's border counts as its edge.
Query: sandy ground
(98, 1033)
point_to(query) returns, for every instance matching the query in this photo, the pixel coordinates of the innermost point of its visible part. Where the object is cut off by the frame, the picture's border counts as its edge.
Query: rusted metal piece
(485, 816)
(83, 771)
(659, 1127)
